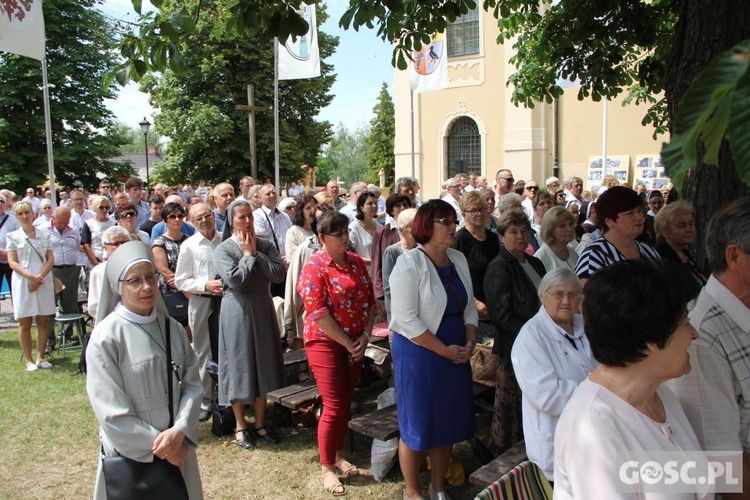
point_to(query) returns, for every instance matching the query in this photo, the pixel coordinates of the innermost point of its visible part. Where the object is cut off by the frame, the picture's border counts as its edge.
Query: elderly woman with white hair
(551, 356)
(558, 232)
(112, 238)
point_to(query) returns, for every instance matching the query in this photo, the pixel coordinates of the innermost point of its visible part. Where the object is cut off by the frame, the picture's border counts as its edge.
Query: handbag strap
(170, 389)
(5, 219)
(44, 260)
(273, 233)
(447, 280)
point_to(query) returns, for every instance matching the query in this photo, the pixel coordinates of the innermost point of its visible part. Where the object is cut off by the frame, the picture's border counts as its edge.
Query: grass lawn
(50, 444)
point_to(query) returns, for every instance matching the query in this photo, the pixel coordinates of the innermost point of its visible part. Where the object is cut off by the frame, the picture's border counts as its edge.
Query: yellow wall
(516, 138)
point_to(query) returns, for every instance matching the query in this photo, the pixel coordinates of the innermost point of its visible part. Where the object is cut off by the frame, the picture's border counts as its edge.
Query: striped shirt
(602, 253)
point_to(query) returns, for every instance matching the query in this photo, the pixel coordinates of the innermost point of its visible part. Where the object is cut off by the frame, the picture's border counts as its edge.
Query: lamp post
(145, 127)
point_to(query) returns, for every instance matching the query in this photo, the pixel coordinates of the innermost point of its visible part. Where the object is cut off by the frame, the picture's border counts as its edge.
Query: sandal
(246, 442)
(332, 484)
(266, 436)
(346, 468)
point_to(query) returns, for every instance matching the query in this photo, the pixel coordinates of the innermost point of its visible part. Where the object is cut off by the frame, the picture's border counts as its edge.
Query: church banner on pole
(22, 28)
(429, 69)
(300, 58)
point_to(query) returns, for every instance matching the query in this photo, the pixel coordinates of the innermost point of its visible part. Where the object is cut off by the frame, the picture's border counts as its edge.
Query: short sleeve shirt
(343, 292)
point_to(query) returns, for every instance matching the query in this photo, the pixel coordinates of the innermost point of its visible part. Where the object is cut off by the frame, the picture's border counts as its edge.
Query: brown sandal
(332, 484)
(346, 468)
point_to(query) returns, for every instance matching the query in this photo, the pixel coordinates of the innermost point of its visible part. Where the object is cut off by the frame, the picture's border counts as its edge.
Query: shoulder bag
(128, 479)
(59, 286)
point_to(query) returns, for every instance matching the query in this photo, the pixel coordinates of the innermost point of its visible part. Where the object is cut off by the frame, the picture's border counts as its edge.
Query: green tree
(347, 154)
(381, 155)
(324, 172)
(134, 139)
(209, 137)
(80, 51)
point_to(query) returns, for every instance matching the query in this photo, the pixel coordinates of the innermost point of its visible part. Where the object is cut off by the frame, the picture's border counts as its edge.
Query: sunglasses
(530, 188)
(103, 207)
(338, 234)
(445, 222)
(127, 215)
(175, 216)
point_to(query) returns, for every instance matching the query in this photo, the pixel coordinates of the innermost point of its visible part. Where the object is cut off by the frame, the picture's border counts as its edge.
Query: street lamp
(145, 127)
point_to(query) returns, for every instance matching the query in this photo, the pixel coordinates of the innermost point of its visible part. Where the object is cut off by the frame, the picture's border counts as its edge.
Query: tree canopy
(80, 51)
(347, 154)
(208, 136)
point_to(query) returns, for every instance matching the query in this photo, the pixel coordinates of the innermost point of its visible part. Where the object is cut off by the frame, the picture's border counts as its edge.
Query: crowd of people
(191, 275)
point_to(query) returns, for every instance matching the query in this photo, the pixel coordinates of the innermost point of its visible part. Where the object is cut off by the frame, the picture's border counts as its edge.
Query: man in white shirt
(472, 185)
(503, 185)
(272, 224)
(530, 190)
(202, 190)
(333, 188)
(350, 209)
(244, 188)
(66, 244)
(196, 275)
(453, 194)
(716, 393)
(8, 224)
(78, 217)
(31, 198)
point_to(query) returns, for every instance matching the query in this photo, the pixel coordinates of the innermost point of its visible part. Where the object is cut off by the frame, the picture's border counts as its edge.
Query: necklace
(661, 418)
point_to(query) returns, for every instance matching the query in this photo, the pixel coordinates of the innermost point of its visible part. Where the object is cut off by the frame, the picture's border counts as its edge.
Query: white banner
(301, 58)
(429, 69)
(22, 27)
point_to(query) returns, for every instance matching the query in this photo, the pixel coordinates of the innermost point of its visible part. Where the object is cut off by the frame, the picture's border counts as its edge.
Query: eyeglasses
(103, 207)
(175, 216)
(509, 179)
(339, 234)
(149, 280)
(445, 222)
(127, 215)
(114, 243)
(560, 295)
(206, 216)
(532, 188)
(457, 186)
(476, 211)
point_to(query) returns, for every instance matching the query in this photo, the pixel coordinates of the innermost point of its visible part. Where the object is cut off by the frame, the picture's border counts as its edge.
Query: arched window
(464, 148)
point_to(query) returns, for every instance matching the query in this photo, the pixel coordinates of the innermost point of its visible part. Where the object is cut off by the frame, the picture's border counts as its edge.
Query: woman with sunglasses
(166, 250)
(434, 320)
(91, 233)
(340, 310)
(125, 215)
(44, 217)
(112, 238)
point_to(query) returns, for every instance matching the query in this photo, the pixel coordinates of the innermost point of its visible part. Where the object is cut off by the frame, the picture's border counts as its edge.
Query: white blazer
(418, 298)
(548, 370)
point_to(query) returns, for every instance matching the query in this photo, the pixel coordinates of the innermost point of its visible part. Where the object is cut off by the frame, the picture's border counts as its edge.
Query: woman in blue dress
(434, 319)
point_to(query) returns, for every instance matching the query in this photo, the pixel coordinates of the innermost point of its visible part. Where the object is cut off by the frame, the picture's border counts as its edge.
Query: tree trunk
(705, 29)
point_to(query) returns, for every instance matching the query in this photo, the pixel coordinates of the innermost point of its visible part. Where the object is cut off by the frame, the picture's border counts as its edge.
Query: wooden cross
(251, 108)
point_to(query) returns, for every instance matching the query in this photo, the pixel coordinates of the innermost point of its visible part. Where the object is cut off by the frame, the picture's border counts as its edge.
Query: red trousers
(336, 380)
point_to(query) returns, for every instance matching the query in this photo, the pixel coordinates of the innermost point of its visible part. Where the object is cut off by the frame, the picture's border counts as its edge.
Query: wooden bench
(383, 423)
(488, 474)
(295, 396)
(294, 357)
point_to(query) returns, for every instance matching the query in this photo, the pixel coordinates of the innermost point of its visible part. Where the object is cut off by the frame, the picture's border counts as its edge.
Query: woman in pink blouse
(340, 311)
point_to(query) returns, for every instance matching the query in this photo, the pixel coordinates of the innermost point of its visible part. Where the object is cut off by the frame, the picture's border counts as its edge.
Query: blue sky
(362, 63)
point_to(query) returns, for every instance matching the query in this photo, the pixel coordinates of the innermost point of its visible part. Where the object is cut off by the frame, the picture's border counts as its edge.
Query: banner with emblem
(300, 58)
(22, 28)
(429, 68)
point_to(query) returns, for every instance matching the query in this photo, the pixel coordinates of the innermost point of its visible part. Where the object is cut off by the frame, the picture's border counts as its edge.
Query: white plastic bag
(383, 453)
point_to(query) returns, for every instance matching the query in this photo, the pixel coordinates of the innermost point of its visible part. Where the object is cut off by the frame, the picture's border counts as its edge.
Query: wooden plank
(279, 394)
(303, 398)
(295, 357)
(381, 424)
(488, 474)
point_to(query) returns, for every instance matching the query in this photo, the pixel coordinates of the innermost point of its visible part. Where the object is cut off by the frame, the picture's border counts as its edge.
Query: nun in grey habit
(250, 358)
(127, 378)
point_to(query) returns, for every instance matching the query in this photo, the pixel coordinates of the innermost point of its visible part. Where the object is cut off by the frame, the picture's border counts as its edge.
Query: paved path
(6, 315)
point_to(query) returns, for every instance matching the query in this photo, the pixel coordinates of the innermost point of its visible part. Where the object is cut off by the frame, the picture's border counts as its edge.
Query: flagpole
(276, 113)
(411, 101)
(48, 132)
(604, 137)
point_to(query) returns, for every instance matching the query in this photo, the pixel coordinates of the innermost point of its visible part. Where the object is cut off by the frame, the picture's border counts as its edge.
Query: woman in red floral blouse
(340, 311)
